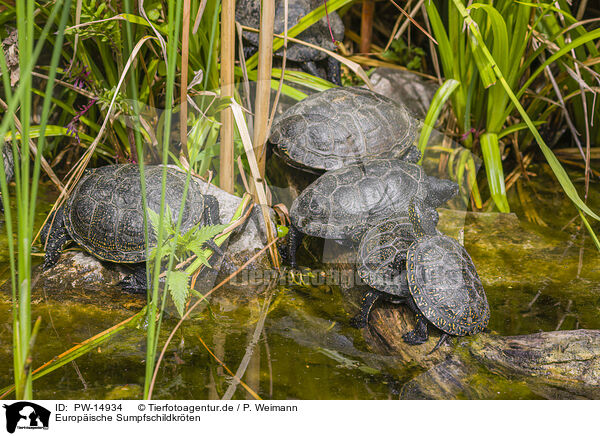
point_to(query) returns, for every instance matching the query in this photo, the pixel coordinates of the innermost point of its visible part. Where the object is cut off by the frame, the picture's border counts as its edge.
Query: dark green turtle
(104, 215)
(440, 284)
(342, 204)
(247, 13)
(340, 126)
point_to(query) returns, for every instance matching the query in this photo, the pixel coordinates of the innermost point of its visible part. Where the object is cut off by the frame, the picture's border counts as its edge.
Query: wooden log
(556, 365)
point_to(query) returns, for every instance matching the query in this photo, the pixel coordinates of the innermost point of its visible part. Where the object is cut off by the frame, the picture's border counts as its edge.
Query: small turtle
(440, 284)
(340, 126)
(342, 204)
(104, 215)
(247, 12)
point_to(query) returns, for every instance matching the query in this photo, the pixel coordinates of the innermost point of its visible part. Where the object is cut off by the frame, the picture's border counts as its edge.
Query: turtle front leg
(211, 210)
(136, 282)
(311, 68)
(55, 236)
(249, 50)
(419, 335)
(294, 240)
(334, 71)
(362, 318)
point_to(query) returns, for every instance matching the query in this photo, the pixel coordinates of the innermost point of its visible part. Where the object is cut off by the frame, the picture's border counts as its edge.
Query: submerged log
(556, 365)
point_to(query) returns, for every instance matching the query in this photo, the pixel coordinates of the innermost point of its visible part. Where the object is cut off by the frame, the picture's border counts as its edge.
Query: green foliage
(504, 44)
(400, 53)
(178, 286)
(181, 247)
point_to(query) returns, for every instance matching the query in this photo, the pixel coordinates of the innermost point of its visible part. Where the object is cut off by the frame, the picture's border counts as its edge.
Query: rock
(405, 87)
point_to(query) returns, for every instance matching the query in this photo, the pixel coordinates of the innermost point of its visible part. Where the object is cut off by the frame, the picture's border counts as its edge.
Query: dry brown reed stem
(397, 33)
(257, 180)
(366, 25)
(227, 90)
(407, 15)
(199, 16)
(193, 307)
(185, 44)
(263, 85)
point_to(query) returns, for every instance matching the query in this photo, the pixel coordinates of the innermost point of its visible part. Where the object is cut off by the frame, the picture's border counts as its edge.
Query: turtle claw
(412, 338)
(132, 285)
(419, 335)
(135, 283)
(358, 322)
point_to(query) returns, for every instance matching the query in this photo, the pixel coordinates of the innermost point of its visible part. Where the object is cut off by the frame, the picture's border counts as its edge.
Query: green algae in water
(536, 278)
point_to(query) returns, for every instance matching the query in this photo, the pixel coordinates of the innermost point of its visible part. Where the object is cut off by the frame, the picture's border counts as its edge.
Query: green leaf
(154, 221)
(204, 234)
(437, 103)
(490, 149)
(177, 284)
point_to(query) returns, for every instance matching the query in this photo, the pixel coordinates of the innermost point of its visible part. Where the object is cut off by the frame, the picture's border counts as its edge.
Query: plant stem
(227, 90)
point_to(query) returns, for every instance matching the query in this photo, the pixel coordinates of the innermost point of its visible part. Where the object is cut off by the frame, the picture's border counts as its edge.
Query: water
(536, 278)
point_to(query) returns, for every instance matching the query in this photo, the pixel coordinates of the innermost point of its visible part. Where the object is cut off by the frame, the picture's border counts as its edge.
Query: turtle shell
(104, 212)
(247, 12)
(342, 204)
(380, 250)
(340, 126)
(445, 285)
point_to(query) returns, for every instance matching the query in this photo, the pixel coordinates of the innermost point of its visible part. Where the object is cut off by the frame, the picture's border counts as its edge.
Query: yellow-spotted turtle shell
(445, 286)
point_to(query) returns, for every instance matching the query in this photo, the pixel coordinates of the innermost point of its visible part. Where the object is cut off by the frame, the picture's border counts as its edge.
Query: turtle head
(310, 208)
(412, 155)
(422, 218)
(440, 191)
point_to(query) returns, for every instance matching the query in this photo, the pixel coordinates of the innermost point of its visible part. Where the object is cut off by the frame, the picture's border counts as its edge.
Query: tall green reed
(26, 181)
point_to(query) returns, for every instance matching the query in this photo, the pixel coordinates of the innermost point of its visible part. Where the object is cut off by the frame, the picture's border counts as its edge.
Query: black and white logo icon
(26, 415)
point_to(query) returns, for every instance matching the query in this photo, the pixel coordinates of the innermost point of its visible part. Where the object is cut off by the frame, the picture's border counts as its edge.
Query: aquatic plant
(494, 58)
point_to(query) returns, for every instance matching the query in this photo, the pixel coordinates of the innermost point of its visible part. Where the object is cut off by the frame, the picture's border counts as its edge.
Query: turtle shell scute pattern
(340, 126)
(445, 286)
(342, 204)
(104, 212)
(379, 251)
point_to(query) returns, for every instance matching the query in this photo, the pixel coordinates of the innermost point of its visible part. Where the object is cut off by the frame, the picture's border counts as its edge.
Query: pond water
(537, 279)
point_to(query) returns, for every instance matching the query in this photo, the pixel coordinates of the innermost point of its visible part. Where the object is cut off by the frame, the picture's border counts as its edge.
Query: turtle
(381, 255)
(9, 166)
(330, 129)
(247, 13)
(104, 215)
(342, 204)
(439, 284)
